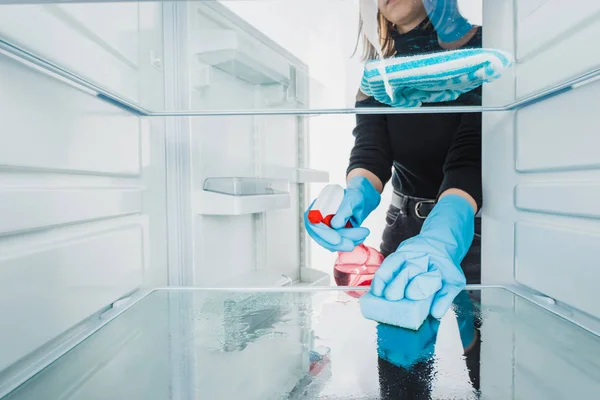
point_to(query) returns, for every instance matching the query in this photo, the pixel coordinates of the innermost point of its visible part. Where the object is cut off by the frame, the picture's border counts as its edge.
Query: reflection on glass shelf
(315, 344)
(289, 57)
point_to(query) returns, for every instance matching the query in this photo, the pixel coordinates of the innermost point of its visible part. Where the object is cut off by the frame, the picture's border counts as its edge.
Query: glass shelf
(238, 196)
(273, 57)
(241, 186)
(314, 343)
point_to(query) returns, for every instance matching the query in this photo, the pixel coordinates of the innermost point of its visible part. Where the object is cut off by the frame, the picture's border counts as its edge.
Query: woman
(434, 162)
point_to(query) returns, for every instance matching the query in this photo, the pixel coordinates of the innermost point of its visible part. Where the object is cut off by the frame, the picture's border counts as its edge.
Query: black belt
(413, 206)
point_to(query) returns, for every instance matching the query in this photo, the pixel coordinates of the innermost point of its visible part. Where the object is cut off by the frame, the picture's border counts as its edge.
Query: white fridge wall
(279, 136)
(81, 182)
(557, 227)
(553, 42)
(540, 171)
(229, 247)
(540, 212)
(119, 56)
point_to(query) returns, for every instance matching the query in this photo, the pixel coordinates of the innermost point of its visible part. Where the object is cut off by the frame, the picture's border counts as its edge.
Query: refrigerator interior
(179, 145)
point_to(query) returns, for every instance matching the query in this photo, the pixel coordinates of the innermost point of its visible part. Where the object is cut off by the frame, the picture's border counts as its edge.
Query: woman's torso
(420, 142)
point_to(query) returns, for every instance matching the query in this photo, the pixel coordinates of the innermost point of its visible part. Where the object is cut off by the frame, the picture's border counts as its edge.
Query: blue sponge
(404, 313)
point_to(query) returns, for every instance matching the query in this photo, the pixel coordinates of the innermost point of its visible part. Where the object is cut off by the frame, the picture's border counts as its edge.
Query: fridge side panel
(74, 210)
(498, 213)
(63, 33)
(498, 175)
(557, 197)
(553, 43)
(540, 169)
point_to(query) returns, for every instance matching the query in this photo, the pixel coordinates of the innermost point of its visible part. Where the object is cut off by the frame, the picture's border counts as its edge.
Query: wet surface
(316, 345)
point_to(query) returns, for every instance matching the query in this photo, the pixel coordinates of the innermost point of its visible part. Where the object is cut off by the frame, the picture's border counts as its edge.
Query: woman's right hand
(360, 199)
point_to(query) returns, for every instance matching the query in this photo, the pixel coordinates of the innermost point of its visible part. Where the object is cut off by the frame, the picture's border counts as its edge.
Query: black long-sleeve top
(428, 153)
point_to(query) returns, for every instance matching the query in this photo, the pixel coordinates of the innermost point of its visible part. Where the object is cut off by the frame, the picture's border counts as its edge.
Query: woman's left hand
(429, 263)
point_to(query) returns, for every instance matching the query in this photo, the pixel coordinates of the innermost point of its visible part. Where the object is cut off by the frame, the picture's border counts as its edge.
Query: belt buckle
(418, 208)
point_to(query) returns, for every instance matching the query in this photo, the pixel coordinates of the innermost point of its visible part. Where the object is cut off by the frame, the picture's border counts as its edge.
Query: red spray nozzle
(327, 205)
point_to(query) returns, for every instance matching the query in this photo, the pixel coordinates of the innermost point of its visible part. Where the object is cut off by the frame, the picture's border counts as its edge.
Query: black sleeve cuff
(384, 173)
(466, 179)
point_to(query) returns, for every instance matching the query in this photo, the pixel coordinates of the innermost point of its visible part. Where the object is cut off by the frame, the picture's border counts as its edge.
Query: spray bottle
(355, 268)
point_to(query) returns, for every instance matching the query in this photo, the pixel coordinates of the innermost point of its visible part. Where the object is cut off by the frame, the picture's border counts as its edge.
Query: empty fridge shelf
(236, 186)
(237, 196)
(298, 343)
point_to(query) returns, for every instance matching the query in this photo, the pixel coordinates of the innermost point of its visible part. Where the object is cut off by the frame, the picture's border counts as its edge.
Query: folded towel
(403, 313)
(369, 11)
(434, 77)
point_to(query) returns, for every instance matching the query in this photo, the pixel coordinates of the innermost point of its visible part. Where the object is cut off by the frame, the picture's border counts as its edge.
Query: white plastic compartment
(237, 196)
(74, 223)
(237, 55)
(236, 186)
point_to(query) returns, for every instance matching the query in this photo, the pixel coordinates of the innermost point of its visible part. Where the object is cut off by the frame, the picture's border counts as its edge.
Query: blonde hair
(386, 41)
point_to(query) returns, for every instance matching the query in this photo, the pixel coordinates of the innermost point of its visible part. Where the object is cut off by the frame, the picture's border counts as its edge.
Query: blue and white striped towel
(434, 77)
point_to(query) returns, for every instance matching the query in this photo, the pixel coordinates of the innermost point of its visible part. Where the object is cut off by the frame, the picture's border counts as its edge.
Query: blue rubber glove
(360, 199)
(405, 347)
(447, 20)
(429, 264)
